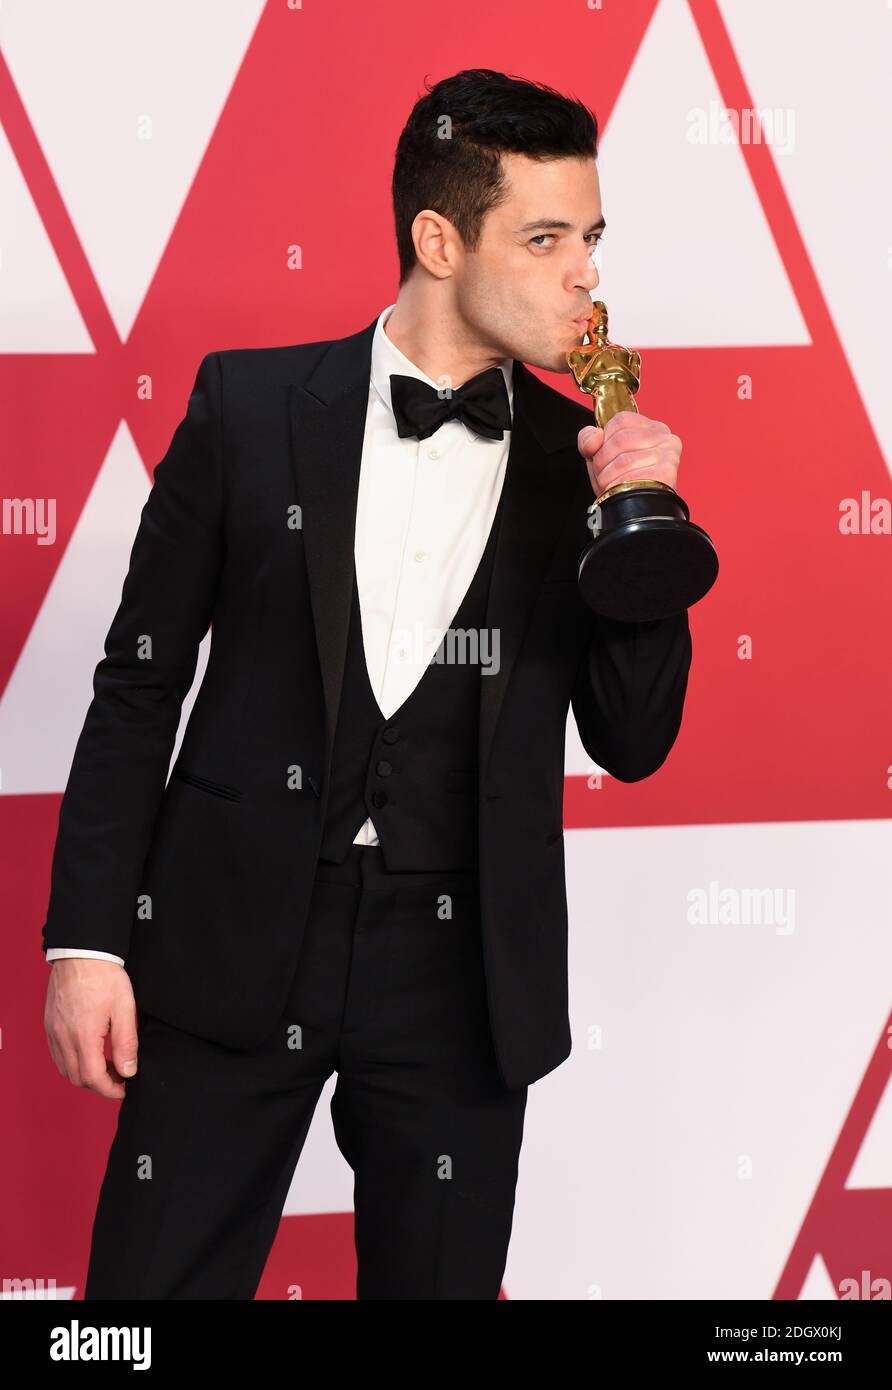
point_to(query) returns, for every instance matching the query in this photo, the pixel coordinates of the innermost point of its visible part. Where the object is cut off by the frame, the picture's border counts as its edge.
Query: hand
(629, 446)
(86, 999)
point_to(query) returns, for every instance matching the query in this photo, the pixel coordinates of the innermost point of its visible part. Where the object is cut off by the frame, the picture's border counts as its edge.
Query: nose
(587, 277)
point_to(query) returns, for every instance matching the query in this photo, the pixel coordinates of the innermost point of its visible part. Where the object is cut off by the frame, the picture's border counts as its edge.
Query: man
(357, 862)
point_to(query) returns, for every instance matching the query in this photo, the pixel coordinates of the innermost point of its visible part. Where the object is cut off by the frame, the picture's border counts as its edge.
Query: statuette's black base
(647, 560)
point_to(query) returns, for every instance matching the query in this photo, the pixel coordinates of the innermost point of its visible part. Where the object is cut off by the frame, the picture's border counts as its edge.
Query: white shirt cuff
(63, 953)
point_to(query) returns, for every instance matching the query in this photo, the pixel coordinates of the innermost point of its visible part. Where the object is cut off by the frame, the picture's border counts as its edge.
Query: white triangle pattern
(38, 312)
(818, 1286)
(165, 75)
(688, 257)
(52, 684)
(841, 96)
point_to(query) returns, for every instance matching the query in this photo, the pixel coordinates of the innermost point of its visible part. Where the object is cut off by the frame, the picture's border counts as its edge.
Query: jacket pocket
(204, 784)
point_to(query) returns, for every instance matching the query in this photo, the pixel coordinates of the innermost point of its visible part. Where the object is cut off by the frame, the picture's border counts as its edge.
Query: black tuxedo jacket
(203, 884)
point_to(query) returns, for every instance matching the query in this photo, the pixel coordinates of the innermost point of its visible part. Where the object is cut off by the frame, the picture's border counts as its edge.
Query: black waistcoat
(415, 774)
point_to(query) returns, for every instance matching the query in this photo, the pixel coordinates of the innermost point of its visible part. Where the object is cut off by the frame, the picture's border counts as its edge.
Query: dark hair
(447, 157)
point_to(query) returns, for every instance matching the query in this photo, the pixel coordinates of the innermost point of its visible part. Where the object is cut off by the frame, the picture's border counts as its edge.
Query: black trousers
(389, 992)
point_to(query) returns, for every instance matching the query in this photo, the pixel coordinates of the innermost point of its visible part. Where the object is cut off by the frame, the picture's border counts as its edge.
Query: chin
(554, 362)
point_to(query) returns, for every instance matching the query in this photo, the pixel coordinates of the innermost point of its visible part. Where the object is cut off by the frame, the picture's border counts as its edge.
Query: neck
(424, 326)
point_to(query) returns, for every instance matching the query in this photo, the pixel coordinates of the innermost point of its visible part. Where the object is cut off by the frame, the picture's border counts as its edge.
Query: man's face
(521, 290)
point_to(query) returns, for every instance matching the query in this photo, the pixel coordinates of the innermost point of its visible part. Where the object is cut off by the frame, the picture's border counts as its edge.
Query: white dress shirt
(423, 516)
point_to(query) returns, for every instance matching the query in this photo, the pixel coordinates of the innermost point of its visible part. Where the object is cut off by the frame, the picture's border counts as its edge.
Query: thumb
(591, 437)
(124, 1040)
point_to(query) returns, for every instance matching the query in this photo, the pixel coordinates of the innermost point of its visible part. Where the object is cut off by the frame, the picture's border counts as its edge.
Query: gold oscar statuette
(646, 559)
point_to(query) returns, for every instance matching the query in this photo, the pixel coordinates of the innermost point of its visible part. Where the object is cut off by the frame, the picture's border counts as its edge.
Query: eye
(593, 238)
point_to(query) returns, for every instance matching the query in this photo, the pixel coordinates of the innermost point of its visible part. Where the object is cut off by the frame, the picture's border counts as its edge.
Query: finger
(628, 441)
(658, 426)
(622, 420)
(618, 458)
(93, 1068)
(62, 1049)
(656, 474)
(660, 471)
(590, 439)
(57, 1056)
(70, 1063)
(124, 1039)
(643, 463)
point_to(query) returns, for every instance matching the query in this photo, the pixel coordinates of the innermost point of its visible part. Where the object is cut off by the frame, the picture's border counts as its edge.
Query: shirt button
(433, 453)
(420, 555)
(384, 768)
(379, 798)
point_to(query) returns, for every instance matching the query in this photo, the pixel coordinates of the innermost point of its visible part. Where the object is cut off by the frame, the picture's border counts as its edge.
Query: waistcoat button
(384, 768)
(379, 798)
(390, 735)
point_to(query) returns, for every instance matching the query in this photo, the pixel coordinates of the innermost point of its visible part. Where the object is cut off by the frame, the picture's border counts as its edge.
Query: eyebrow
(553, 224)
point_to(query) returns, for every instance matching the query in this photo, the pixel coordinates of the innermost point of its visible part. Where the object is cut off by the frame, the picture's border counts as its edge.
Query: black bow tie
(482, 403)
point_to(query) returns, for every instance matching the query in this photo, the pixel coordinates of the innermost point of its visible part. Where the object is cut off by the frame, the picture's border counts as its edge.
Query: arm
(123, 753)
(629, 693)
(630, 687)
